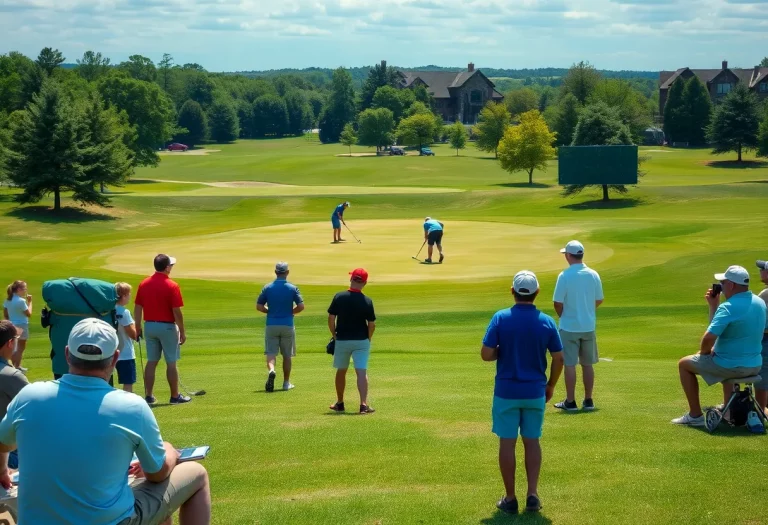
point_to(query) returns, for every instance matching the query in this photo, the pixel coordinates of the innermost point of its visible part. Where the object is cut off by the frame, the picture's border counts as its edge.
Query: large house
(458, 96)
(719, 82)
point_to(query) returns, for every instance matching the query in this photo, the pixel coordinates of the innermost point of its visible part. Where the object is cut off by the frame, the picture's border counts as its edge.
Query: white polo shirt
(578, 287)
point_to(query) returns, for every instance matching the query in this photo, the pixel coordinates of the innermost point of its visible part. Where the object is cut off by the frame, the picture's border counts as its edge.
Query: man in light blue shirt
(277, 300)
(99, 429)
(731, 346)
(433, 234)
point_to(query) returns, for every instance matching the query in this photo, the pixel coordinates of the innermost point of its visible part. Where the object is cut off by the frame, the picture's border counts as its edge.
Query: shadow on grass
(613, 204)
(6, 197)
(524, 185)
(64, 215)
(579, 412)
(134, 182)
(736, 165)
(532, 518)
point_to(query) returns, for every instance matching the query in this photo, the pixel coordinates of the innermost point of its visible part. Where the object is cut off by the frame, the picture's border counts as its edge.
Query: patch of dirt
(193, 152)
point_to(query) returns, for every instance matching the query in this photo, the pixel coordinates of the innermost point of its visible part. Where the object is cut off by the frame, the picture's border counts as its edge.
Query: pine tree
(340, 108)
(192, 118)
(675, 114)
(567, 119)
(223, 122)
(697, 111)
(762, 137)
(736, 123)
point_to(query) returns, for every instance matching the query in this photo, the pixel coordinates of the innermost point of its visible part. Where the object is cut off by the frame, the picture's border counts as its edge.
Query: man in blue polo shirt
(433, 234)
(730, 348)
(337, 219)
(277, 300)
(518, 339)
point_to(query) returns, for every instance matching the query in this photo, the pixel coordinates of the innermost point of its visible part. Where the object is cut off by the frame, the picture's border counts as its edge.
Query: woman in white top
(17, 309)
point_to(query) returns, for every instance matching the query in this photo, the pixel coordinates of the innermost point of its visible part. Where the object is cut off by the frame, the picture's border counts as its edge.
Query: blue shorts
(336, 222)
(126, 372)
(359, 351)
(527, 415)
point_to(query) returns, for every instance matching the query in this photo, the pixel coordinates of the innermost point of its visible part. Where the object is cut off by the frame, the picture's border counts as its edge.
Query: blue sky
(227, 35)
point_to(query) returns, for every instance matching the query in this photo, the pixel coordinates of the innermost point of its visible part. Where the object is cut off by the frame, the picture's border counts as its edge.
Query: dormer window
(764, 87)
(724, 89)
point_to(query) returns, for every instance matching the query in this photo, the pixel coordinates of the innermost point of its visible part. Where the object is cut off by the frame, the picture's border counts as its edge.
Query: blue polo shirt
(339, 211)
(739, 324)
(76, 438)
(280, 296)
(523, 335)
(432, 225)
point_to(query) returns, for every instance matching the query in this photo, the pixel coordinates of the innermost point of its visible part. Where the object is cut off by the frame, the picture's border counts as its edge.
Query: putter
(353, 235)
(417, 255)
(189, 391)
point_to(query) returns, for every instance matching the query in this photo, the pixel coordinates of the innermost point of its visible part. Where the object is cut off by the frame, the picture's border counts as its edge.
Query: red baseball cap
(360, 275)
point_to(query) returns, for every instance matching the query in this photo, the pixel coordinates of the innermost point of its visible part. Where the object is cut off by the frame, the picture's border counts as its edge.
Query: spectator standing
(277, 300)
(761, 389)
(126, 333)
(518, 339)
(352, 321)
(89, 484)
(158, 303)
(17, 308)
(11, 379)
(578, 294)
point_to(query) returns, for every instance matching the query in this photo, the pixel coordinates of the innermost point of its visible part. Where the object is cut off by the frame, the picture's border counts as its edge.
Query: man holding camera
(761, 388)
(731, 346)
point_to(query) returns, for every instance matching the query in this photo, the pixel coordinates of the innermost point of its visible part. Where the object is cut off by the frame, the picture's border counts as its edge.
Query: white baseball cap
(173, 260)
(573, 248)
(735, 274)
(525, 283)
(94, 332)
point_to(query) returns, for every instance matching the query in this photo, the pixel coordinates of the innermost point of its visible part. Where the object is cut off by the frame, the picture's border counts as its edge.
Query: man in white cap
(337, 219)
(578, 294)
(77, 437)
(731, 346)
(761, 388)
(518, 339)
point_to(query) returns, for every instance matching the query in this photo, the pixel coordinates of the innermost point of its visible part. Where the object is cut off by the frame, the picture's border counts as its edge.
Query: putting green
(474, 250)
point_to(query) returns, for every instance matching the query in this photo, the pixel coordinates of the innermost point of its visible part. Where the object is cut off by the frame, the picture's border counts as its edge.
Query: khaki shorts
(155, 502)
(712, 373)
(280, 339)
(579, 348)
(162, 338)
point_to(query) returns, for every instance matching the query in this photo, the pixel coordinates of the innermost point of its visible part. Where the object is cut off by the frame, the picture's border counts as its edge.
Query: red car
(177, 147)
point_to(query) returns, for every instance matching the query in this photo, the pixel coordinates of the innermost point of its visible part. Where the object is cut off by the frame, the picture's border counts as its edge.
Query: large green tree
(140, 68)
(581, 81)
(348, 137)
(375, 128)
(630, 104)
(49, 59)
(270, 116)
(379, 76)
(150, 111)
(521, 101)
(527, 146)
(223, 122)
(675, 114)
(698, 111)
(92, 66)
(762, 137)
(457, 136)
(20, 79)
(199, 87)
(416, 130)
(299, 112)
(340, 108)
(492, 123)
(389, 98)
(764, 62)
(735, 124)
(193, 121)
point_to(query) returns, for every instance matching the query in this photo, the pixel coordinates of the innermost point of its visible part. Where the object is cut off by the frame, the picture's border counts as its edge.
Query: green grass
(427, 456)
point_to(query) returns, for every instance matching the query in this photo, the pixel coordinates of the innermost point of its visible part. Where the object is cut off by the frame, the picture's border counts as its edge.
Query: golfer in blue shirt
(518, 339)
(337, 219)
(433, 233)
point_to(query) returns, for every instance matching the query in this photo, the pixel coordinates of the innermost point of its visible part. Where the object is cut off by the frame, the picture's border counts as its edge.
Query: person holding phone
(731, 346)
(17, 308)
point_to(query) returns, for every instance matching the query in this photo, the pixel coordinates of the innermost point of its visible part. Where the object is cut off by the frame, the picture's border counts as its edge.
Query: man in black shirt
(352, 321)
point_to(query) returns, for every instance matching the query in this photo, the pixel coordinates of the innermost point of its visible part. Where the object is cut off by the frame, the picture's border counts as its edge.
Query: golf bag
(740, 408)
(69, 301)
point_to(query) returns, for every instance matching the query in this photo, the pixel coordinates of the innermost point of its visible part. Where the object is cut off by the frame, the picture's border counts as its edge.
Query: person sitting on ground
(89, 483)
(17, 308)
(518, 339)
(126, 332)
(731, 346)
(761, 388)
(11, 379)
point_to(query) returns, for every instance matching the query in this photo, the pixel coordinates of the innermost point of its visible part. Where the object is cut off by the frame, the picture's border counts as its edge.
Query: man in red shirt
(158, 304)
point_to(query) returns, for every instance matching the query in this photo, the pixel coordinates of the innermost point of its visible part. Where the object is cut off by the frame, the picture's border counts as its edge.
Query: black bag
(45, 317)
(740, 408)
(330, 348)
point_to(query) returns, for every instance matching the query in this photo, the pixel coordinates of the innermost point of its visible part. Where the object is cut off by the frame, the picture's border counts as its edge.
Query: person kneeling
(731, 346)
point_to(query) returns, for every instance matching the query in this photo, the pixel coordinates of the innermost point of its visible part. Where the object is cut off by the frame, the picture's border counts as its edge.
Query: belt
(161, 322)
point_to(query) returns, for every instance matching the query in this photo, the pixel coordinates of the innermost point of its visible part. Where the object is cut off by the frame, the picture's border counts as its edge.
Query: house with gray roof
(719, 82)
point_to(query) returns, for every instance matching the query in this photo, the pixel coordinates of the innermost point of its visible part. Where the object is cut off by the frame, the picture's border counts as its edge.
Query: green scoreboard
(597, 165)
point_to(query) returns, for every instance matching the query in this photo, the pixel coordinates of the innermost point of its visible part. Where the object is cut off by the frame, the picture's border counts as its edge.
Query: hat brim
(562, 250)
(720, 277)
(173, 260)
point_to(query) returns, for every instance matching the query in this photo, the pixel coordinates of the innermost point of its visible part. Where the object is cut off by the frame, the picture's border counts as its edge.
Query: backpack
(740, 408)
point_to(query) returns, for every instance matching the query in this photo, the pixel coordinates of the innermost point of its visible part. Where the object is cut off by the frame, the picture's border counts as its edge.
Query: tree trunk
(102, 187)
(496, 152)
(56, 199)
(739, 152)
(530, 177)
(605, 192)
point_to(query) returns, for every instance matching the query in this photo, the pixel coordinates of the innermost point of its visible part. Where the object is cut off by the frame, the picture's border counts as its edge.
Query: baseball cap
(735, 274)
(763, 265)
(359, 275)
(573, 248)
(281, 267)
(93, 332)
(525, 283)
(162, 261)
(348, 204)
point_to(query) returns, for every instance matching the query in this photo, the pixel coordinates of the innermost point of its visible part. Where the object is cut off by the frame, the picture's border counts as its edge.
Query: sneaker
(180, 400)
(337, 407)
(270, 386)
(508, 506)
(428, 261)
(690, 421)
(441, 258)
(569, 406)
(288, 385)
(150, 400)
(588, 405)
(23, 370)
(365, 409)
(532, 503)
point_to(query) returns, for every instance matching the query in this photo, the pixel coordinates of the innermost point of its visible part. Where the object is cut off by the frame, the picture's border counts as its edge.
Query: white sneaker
(690, 421)
(288, 386)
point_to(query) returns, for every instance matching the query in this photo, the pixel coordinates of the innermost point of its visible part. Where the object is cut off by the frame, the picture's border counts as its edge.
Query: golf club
(189, 391)
(417, 255)
(353, 235)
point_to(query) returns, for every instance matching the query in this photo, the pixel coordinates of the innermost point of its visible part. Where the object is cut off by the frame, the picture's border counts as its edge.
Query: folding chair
(714, 415)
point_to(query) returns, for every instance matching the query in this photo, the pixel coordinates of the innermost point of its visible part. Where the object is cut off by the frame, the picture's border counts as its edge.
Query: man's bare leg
(588, 377)
(287, 364)
(570, 384)
(271, 361)
(362, 385)
(197, 509)
(341, 384)
(690, 386)
(532, 464)
(172, 375)
(149, 377)
(507, 465)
